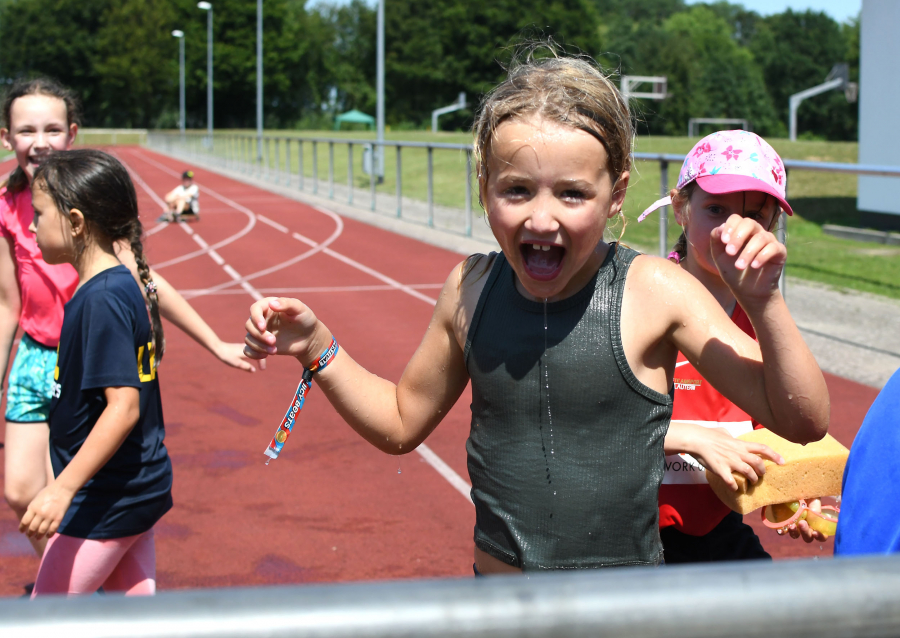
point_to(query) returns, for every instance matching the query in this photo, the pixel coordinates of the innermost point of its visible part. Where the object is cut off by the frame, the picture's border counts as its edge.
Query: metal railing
(110, 136)
(237, 152)
(800, 165)
(750, 599)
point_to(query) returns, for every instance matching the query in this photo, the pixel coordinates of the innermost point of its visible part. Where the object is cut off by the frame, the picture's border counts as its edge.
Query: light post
(206, 6)
(378, 164)
(177, 33)
(259, 80)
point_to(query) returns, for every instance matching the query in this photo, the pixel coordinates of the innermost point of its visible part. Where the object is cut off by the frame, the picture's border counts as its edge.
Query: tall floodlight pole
(259, 80)
(378, 164)
(206, 6)
(177, 33)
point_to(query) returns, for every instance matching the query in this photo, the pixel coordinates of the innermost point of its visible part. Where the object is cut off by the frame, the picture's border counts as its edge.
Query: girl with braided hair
(113, 473)
(40, 118)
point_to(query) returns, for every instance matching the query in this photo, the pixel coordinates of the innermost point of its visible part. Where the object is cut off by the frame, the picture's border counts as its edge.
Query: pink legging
(79, 566)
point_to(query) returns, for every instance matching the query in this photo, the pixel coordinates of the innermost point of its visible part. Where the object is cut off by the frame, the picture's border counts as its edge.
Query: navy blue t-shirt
(106, 342)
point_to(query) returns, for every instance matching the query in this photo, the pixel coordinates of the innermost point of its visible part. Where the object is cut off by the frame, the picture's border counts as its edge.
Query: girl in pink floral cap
(726, 174)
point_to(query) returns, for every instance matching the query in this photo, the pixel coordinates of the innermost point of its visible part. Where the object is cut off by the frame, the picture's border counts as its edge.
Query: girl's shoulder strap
(496, 263)
(623, 254)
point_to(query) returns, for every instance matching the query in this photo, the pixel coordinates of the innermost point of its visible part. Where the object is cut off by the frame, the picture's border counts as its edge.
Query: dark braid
(680, 249)
(98, 185)
(18, 180)
(159, 342)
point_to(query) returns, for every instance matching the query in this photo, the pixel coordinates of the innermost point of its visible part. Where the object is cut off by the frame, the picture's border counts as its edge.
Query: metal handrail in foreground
(826, 599)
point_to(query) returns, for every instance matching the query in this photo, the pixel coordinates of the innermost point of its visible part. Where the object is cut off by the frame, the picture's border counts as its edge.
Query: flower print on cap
(731, 162)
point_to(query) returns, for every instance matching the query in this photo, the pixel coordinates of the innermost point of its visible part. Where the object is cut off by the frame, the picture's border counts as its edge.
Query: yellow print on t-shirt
(146, 376)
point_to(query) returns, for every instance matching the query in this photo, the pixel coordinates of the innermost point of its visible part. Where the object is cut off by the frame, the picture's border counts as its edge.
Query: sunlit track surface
(331, 508)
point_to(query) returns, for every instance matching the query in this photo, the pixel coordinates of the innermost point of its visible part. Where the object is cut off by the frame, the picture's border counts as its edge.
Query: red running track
(331, 508)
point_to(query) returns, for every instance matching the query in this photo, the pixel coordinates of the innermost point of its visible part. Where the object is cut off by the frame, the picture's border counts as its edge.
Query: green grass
(817, 198)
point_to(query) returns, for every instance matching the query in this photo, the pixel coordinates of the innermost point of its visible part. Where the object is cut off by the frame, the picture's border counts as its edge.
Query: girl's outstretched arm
(10, 304)
(176, 309)
(118, 418)
(778, 381)
(393, 418)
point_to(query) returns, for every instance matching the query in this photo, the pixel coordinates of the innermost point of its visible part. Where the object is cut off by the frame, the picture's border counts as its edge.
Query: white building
(879, 110)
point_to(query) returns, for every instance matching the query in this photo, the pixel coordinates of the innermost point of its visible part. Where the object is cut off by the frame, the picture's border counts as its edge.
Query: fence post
(399, 183)
(349, 172)
(331, 170)
(468, 193)
(300, 162)
(664, 211)
(287, 161)
(315, 168)
(430, 187)
(277, 160)
(373, 163)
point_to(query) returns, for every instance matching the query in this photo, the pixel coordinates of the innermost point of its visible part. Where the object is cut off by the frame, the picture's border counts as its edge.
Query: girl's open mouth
(543, 262)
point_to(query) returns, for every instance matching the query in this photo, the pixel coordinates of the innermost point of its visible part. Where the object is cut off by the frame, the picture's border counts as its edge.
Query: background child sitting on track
(726, 173)
(41, 118)
(183, 200)
(113, 474)
(569, 342)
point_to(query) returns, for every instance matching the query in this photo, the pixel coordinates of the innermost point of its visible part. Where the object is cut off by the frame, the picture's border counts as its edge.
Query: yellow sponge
(810, 471)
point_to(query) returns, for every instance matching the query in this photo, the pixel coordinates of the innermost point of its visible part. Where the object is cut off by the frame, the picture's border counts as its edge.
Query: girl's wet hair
(98, 185)
(566, 90)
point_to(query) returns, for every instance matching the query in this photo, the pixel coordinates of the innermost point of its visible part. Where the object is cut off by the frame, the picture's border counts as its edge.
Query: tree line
(721, 59)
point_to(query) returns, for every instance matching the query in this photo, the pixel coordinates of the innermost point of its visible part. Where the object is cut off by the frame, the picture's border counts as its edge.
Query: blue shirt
(868, 523)
(106, 342)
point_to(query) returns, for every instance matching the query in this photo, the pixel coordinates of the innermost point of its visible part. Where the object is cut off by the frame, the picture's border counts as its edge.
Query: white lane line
(339, 229)
(316, 248)
(140, 182)
(309, 290)
(455, 480)
(459, 483)
(201, 242)
(274, 225)
(160, 226)
(251, 217)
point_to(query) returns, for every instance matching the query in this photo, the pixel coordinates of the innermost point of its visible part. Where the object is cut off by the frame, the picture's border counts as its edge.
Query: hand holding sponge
(810, 471)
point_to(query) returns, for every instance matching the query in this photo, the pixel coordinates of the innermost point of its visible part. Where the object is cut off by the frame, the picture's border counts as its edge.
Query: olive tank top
(565, 450)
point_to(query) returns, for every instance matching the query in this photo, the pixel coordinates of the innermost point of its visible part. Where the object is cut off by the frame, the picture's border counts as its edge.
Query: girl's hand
(46, 511)
(278, 325)
(722, 454)
(750, 258)
(802, 528)
(232, 354)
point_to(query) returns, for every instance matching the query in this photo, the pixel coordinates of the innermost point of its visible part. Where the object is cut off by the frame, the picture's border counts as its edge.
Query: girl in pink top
(41, 118)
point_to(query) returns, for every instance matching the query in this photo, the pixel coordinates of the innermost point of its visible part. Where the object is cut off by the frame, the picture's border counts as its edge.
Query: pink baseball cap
(732, 162)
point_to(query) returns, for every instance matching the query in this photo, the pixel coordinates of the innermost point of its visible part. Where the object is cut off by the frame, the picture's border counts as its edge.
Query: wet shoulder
(468, 282)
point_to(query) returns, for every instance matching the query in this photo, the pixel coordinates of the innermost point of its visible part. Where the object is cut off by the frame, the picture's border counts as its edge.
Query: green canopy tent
(354, 117)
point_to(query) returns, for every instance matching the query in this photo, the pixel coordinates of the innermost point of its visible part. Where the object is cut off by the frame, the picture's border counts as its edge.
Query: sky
(840, 10)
